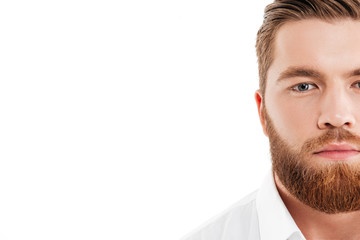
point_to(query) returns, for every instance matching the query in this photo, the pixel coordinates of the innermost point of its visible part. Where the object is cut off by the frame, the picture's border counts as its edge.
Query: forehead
(329, 47)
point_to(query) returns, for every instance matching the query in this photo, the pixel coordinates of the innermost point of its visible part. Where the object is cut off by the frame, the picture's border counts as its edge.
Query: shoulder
(236, 222)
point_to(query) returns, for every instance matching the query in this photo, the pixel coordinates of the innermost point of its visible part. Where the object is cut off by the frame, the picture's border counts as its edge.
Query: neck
(318, 225)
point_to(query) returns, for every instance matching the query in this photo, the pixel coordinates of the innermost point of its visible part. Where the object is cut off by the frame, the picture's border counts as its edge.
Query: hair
(282, 11)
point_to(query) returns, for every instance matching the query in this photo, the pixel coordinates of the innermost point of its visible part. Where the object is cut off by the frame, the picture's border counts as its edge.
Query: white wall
(126, 119)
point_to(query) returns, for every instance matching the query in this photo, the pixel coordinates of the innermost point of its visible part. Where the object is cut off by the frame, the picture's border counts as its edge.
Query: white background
(126, 119)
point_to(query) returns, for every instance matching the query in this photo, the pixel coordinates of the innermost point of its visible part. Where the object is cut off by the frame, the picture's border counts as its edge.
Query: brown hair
(282, 11)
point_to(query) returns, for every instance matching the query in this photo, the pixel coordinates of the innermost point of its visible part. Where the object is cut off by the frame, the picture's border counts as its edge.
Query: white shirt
(261, 215)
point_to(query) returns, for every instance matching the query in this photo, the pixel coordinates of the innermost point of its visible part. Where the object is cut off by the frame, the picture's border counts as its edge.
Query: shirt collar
(275, 221)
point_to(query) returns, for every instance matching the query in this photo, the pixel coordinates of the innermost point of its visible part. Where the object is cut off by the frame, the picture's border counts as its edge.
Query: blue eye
(302, 87)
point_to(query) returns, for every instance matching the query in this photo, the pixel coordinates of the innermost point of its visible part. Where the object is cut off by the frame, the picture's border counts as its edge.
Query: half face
(313, 84)
(311, 112)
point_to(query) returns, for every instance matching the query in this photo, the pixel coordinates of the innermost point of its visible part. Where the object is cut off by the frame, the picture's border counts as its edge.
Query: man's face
(311, 112)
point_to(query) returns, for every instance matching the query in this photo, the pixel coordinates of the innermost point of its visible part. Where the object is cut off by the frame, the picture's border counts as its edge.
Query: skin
(331, 99)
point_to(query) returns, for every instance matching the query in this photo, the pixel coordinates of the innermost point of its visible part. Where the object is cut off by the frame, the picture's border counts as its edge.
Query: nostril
(330, 121)
(329, 125)
(347, 123)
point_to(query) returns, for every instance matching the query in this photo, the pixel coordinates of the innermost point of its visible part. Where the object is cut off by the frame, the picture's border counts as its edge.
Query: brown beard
(330, 188)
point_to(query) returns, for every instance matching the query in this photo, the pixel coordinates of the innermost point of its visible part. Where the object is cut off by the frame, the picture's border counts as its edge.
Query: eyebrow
(354, 73)
(292, 72)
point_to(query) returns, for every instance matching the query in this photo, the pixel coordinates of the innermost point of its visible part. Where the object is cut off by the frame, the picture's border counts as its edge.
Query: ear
(260, 106)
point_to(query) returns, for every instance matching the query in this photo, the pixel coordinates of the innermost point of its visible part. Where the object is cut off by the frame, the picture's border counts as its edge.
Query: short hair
(282, 11)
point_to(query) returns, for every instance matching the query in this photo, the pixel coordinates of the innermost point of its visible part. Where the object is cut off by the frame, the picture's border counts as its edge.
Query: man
(309, 107)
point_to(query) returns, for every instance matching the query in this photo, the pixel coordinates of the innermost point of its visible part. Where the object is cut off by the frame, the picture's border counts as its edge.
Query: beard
(332, 187)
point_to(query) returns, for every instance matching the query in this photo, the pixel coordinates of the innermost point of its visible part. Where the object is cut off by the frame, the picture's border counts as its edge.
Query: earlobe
(260, 106)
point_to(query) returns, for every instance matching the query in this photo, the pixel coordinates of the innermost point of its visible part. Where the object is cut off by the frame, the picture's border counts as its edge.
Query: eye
(356, 84)
(303, 87)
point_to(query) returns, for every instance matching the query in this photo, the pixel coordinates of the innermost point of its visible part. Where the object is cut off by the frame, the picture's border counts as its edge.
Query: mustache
(331, 136)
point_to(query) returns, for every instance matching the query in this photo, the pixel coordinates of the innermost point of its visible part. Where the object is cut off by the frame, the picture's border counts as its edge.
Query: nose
(336, 110)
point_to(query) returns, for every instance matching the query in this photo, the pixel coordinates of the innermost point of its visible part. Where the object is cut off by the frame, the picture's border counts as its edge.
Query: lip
(338, 151)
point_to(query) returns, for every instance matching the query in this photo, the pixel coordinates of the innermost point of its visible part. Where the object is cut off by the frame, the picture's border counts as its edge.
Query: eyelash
(356, 83)
(293, 88)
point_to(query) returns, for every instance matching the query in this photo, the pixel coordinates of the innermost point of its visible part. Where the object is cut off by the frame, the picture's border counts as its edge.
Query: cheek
(294, 120)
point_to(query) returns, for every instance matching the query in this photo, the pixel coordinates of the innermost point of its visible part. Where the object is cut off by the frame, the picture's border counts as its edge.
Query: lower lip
(338, 155)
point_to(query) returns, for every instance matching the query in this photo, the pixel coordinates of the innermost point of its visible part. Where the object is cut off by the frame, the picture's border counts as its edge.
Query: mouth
(338, 151)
